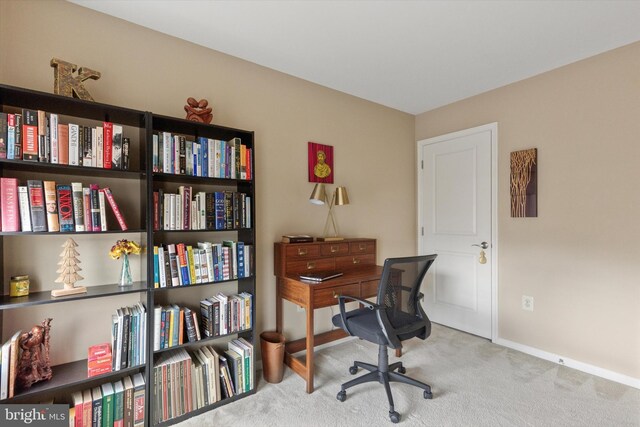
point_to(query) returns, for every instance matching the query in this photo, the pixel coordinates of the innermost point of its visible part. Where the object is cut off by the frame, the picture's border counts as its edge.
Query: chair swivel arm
(343, 313)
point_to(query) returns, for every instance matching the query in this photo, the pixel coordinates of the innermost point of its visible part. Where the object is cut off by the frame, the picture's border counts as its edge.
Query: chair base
(384, 374)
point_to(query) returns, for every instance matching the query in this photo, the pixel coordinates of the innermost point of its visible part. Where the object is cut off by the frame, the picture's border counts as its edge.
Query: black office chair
(396, 317)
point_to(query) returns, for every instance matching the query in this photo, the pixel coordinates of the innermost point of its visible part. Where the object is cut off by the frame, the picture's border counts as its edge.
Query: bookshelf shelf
(134, 190)
(69, 375)
(38, 298)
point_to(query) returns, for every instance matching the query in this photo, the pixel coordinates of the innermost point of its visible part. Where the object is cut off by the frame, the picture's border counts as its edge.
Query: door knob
(483, 245)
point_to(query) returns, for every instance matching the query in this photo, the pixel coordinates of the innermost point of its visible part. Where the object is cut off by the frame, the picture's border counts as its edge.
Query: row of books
(186, 381)
(128, 337)
(9, 366)
(206, 157)
(186, 210)
(183, 264)
(221, 314)
(38, 136)
(47, 206)
(117, 404)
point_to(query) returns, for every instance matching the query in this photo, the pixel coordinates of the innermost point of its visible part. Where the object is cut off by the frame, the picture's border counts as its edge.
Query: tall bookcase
(82, 320)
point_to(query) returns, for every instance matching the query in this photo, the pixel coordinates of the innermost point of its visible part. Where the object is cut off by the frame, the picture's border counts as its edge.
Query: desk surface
(354, 274)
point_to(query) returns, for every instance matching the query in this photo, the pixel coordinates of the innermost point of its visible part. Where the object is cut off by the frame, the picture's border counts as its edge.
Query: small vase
(125, 273)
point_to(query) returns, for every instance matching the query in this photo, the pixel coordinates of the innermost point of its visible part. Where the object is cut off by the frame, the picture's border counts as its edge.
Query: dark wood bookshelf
(217, 282)
(43, 167)
(204, 340)
(170, 177)
(44, 297)
(59, 233)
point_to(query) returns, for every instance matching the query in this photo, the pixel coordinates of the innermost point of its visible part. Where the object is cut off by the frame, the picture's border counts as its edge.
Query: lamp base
(329, 239)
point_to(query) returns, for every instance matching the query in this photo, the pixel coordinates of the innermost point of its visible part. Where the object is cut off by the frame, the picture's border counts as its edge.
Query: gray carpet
(474, 383)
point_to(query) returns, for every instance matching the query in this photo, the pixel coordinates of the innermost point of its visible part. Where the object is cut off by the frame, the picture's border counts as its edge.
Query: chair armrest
(344, 315)
(367, 304)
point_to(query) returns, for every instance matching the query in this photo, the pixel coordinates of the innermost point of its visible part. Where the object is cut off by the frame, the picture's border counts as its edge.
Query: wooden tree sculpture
(521, 164)
(34, 364)
(69, 271)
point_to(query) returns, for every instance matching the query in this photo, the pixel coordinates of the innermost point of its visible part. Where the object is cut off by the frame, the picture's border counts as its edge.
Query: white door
(456, 215)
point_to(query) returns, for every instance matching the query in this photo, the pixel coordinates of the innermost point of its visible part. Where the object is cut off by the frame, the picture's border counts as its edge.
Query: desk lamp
(338, 198)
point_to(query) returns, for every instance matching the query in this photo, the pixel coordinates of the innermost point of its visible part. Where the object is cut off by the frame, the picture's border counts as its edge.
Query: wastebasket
(272, 349)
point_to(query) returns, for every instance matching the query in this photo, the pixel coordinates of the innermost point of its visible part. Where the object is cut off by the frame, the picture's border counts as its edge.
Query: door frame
(493, 128)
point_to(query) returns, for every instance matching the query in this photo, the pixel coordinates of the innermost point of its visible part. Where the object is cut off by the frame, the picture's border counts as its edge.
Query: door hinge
(422, 230)
(421, 164)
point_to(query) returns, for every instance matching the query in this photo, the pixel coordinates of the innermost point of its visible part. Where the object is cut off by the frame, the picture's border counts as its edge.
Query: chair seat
(363, 323)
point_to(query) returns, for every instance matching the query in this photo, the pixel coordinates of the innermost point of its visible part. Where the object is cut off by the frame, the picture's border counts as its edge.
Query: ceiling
(412, 56)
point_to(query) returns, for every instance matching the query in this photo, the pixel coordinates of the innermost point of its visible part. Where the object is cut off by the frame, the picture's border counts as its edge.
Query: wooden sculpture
(34, 365)
(197, 111)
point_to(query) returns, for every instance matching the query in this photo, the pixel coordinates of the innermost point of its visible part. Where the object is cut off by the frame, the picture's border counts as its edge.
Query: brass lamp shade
(342, 198)
(318, 195)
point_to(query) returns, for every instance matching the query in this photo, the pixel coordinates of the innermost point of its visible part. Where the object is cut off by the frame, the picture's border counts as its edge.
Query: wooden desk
(354, 257)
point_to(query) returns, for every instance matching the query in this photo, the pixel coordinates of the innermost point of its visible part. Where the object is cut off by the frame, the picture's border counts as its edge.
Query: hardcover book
(65, 208)
(9, 204)
(51, 204)
(96, 224)
(25, 210)
(36, 202)
(30, 135)
(11, 136)
(114, 207)
(74, 144)
(78, 206)
(107, 144)
(3, 135)
(54, 139)
(63, 144)
(116, 148)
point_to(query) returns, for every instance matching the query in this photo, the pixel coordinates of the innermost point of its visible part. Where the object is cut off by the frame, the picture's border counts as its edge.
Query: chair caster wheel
(353, 370)
(341, 396)
(428, 395)
(402, 370)
(394, 416)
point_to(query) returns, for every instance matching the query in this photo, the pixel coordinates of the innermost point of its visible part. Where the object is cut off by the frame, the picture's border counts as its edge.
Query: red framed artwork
(320, 160)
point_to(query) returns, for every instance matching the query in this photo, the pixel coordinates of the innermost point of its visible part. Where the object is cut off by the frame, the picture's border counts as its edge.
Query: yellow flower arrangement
(124, 247)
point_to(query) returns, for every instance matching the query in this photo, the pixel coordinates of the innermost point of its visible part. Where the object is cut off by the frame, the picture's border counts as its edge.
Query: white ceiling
(413, 56)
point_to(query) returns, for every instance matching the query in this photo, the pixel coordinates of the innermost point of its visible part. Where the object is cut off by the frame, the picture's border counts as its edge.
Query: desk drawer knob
(356, 260)
(363, 246)
(335, 295)
(334, 249)
(302, 251)
(311, 265)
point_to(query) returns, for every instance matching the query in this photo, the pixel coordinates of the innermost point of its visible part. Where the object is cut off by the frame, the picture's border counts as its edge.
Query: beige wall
(579, 257)
(142, 69)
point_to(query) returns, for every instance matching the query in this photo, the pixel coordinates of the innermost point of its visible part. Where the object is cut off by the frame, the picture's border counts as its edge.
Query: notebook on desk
(320, 276)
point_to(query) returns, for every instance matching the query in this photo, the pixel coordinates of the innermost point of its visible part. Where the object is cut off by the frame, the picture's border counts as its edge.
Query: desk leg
(310, 345)
(278, 308)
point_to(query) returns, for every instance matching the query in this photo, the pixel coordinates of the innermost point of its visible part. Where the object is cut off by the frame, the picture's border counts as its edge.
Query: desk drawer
(334, 249)
(303, 251)
(328, 296)
(344, 262)
(369, 289)
(311, 265)
(359, 248)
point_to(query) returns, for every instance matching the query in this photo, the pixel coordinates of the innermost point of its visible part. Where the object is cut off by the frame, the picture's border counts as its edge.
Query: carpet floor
(474, 383)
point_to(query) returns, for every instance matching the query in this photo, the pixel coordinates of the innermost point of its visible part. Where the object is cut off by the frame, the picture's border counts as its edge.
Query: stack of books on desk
(298, 238)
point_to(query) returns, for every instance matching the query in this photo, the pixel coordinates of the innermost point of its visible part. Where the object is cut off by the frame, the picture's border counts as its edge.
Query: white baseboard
(561, 360)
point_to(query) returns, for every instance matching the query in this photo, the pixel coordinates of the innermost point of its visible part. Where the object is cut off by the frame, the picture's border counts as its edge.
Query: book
(107, 144)
(118, 404)
(18, 137)
(51, 204)
(63, 144)
(4, 135)
(87, 406)
(99, 360)
(54, 144)
(138, 400)
(13, 362)
(103, 211)
(107, 404)
(74, 144)
(29, 135)
(116, 147)
(114, 207)
(25, 209)
(128, 401)
(96, 407)
(9, 204)
(320, 276)
(126, 146)
(78, 405)
(11, 136)
(173, 264)
(36, 203)
(95, 208)
(78, 206)
(297, 238)
(43, 136)
(65, 208)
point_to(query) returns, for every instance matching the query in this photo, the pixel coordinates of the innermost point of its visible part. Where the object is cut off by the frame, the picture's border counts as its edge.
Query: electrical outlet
(527, 303)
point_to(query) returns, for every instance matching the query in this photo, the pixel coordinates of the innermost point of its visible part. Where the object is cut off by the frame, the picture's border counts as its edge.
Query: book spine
(116, 147)
(191, 264)
(95, 208)
(78, 206)
(173, 262)
(99, 147)
(63, 144)
(74, 144)
(80, 150)
(55, 147)
(86, 204)
(126, 145)
(30, 135)
(182, 262)
(3, 135)
(25, 210)
(107, 144)
(87, 147)
(65, 208)
(103, 211)
(9, 204)
(51, 205)
(18, 142)
(42, 136)
(114, 207)
(11, 136)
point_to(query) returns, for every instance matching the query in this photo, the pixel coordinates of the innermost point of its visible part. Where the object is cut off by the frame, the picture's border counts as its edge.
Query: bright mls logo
(34, 415)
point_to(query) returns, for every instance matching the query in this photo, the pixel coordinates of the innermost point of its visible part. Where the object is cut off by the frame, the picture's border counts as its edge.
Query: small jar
(19, 286)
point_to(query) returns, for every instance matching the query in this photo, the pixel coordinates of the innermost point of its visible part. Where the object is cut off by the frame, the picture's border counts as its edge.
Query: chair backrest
(399, 292)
